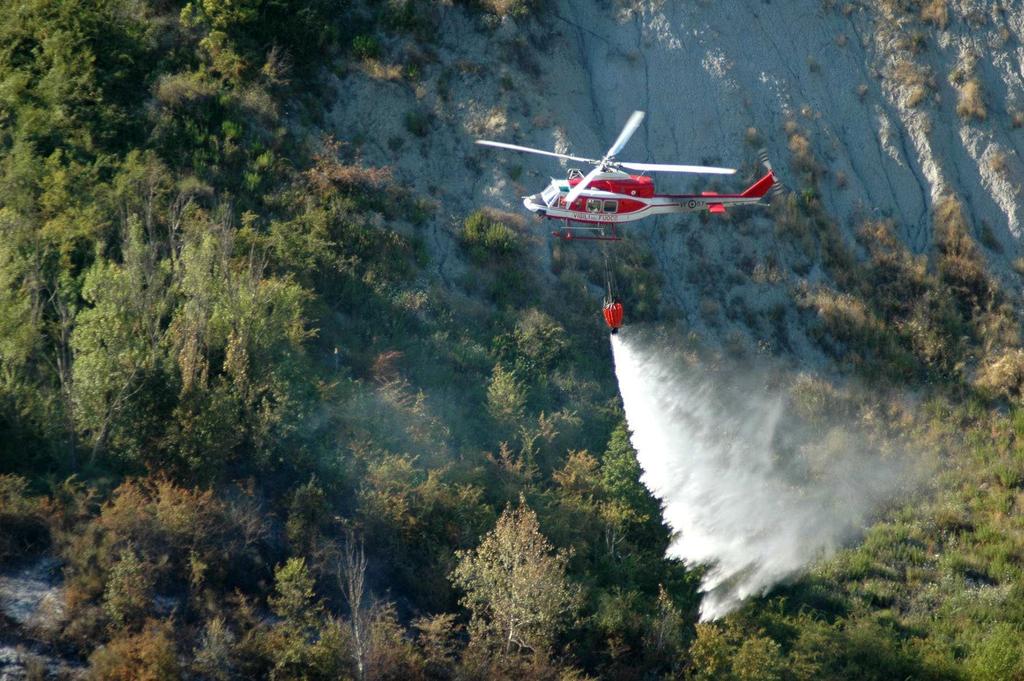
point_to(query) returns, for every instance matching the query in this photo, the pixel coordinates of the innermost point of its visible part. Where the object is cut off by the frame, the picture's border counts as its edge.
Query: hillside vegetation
(267, 436)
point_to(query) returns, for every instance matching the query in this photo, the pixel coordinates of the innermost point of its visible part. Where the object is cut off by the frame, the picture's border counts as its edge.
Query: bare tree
(351, 576)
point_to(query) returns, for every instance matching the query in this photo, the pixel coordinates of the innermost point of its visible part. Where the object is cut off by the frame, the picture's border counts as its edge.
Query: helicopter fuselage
(615, 197)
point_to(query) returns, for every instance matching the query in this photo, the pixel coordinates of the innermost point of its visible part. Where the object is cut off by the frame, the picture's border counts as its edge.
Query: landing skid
(589, 233)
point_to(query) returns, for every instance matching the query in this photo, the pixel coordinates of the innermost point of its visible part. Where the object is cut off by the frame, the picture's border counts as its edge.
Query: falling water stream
(746, 497)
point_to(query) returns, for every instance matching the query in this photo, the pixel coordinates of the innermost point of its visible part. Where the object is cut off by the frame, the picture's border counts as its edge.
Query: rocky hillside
(879, 110)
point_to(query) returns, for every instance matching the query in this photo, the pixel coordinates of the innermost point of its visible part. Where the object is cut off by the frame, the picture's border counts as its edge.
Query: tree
(238, 337)
(213, 657)
(118, 344)
(758, 659)
(710, 653)
(128, 594)
(631, 507)
(516, 586)
(294, 601)
(506, 397)
(351, 577)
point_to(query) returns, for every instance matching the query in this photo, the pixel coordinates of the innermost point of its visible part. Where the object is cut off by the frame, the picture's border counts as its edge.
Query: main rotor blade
(627, 131)
(670, 168)
(575, 192)
(529, 150)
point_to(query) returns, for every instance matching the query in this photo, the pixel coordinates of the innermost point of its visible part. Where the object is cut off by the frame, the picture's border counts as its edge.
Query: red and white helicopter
(607, 195)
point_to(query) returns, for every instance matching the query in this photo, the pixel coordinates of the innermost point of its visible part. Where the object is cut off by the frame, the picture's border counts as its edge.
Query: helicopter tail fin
(761, 187)
(768, 184)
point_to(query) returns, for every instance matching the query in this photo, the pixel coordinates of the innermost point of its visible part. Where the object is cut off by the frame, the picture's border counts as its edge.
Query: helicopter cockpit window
(593, 205)
(611, 206)
(549, 195)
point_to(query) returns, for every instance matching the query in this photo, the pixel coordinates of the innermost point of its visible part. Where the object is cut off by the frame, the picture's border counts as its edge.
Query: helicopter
(608, 195)
(591, 205)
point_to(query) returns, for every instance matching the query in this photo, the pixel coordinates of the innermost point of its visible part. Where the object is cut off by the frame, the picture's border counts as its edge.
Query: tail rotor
(778, 189)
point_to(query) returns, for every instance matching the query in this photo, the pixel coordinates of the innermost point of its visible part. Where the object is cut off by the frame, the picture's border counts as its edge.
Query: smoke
(755, 483)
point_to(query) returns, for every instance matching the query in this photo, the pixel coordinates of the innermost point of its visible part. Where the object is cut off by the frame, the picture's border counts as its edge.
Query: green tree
(710, 653)
(294, 601)
(515, 585)
(630, 511)
(214, 656)
(506, 397)
(118, 346)
(758, 659)
(238, 338)
(128, 595)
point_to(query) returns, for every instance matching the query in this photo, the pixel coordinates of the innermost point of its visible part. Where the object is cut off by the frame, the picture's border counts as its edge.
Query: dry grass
(1003, 375)
(483, 122)
(175, 90)
(328, 173)
(936, 12)
(506, 8)
(845, 316)
(709, 309)
(971, 103)
(378, 70)
(999, 163)
(803, 156)
(915, 82)
(960, 263)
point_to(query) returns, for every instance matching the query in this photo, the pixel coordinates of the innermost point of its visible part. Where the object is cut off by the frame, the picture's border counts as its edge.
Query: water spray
(748, 491)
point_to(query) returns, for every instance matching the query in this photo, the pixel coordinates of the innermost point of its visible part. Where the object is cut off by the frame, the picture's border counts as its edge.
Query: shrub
(915, 81)
(999, 163)
(803, 156)
(128, 595)
(509, 8)
(959, 262)
(184, 538)
(999, 655)
(935, 12)
(365, 47)
(418, 122)
(506, 397)
(971, 104)
(146, 656)
(23, 519)
(214, 657)
(758, 659)
(1003, 375)
(488, 238)
(710, 652)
